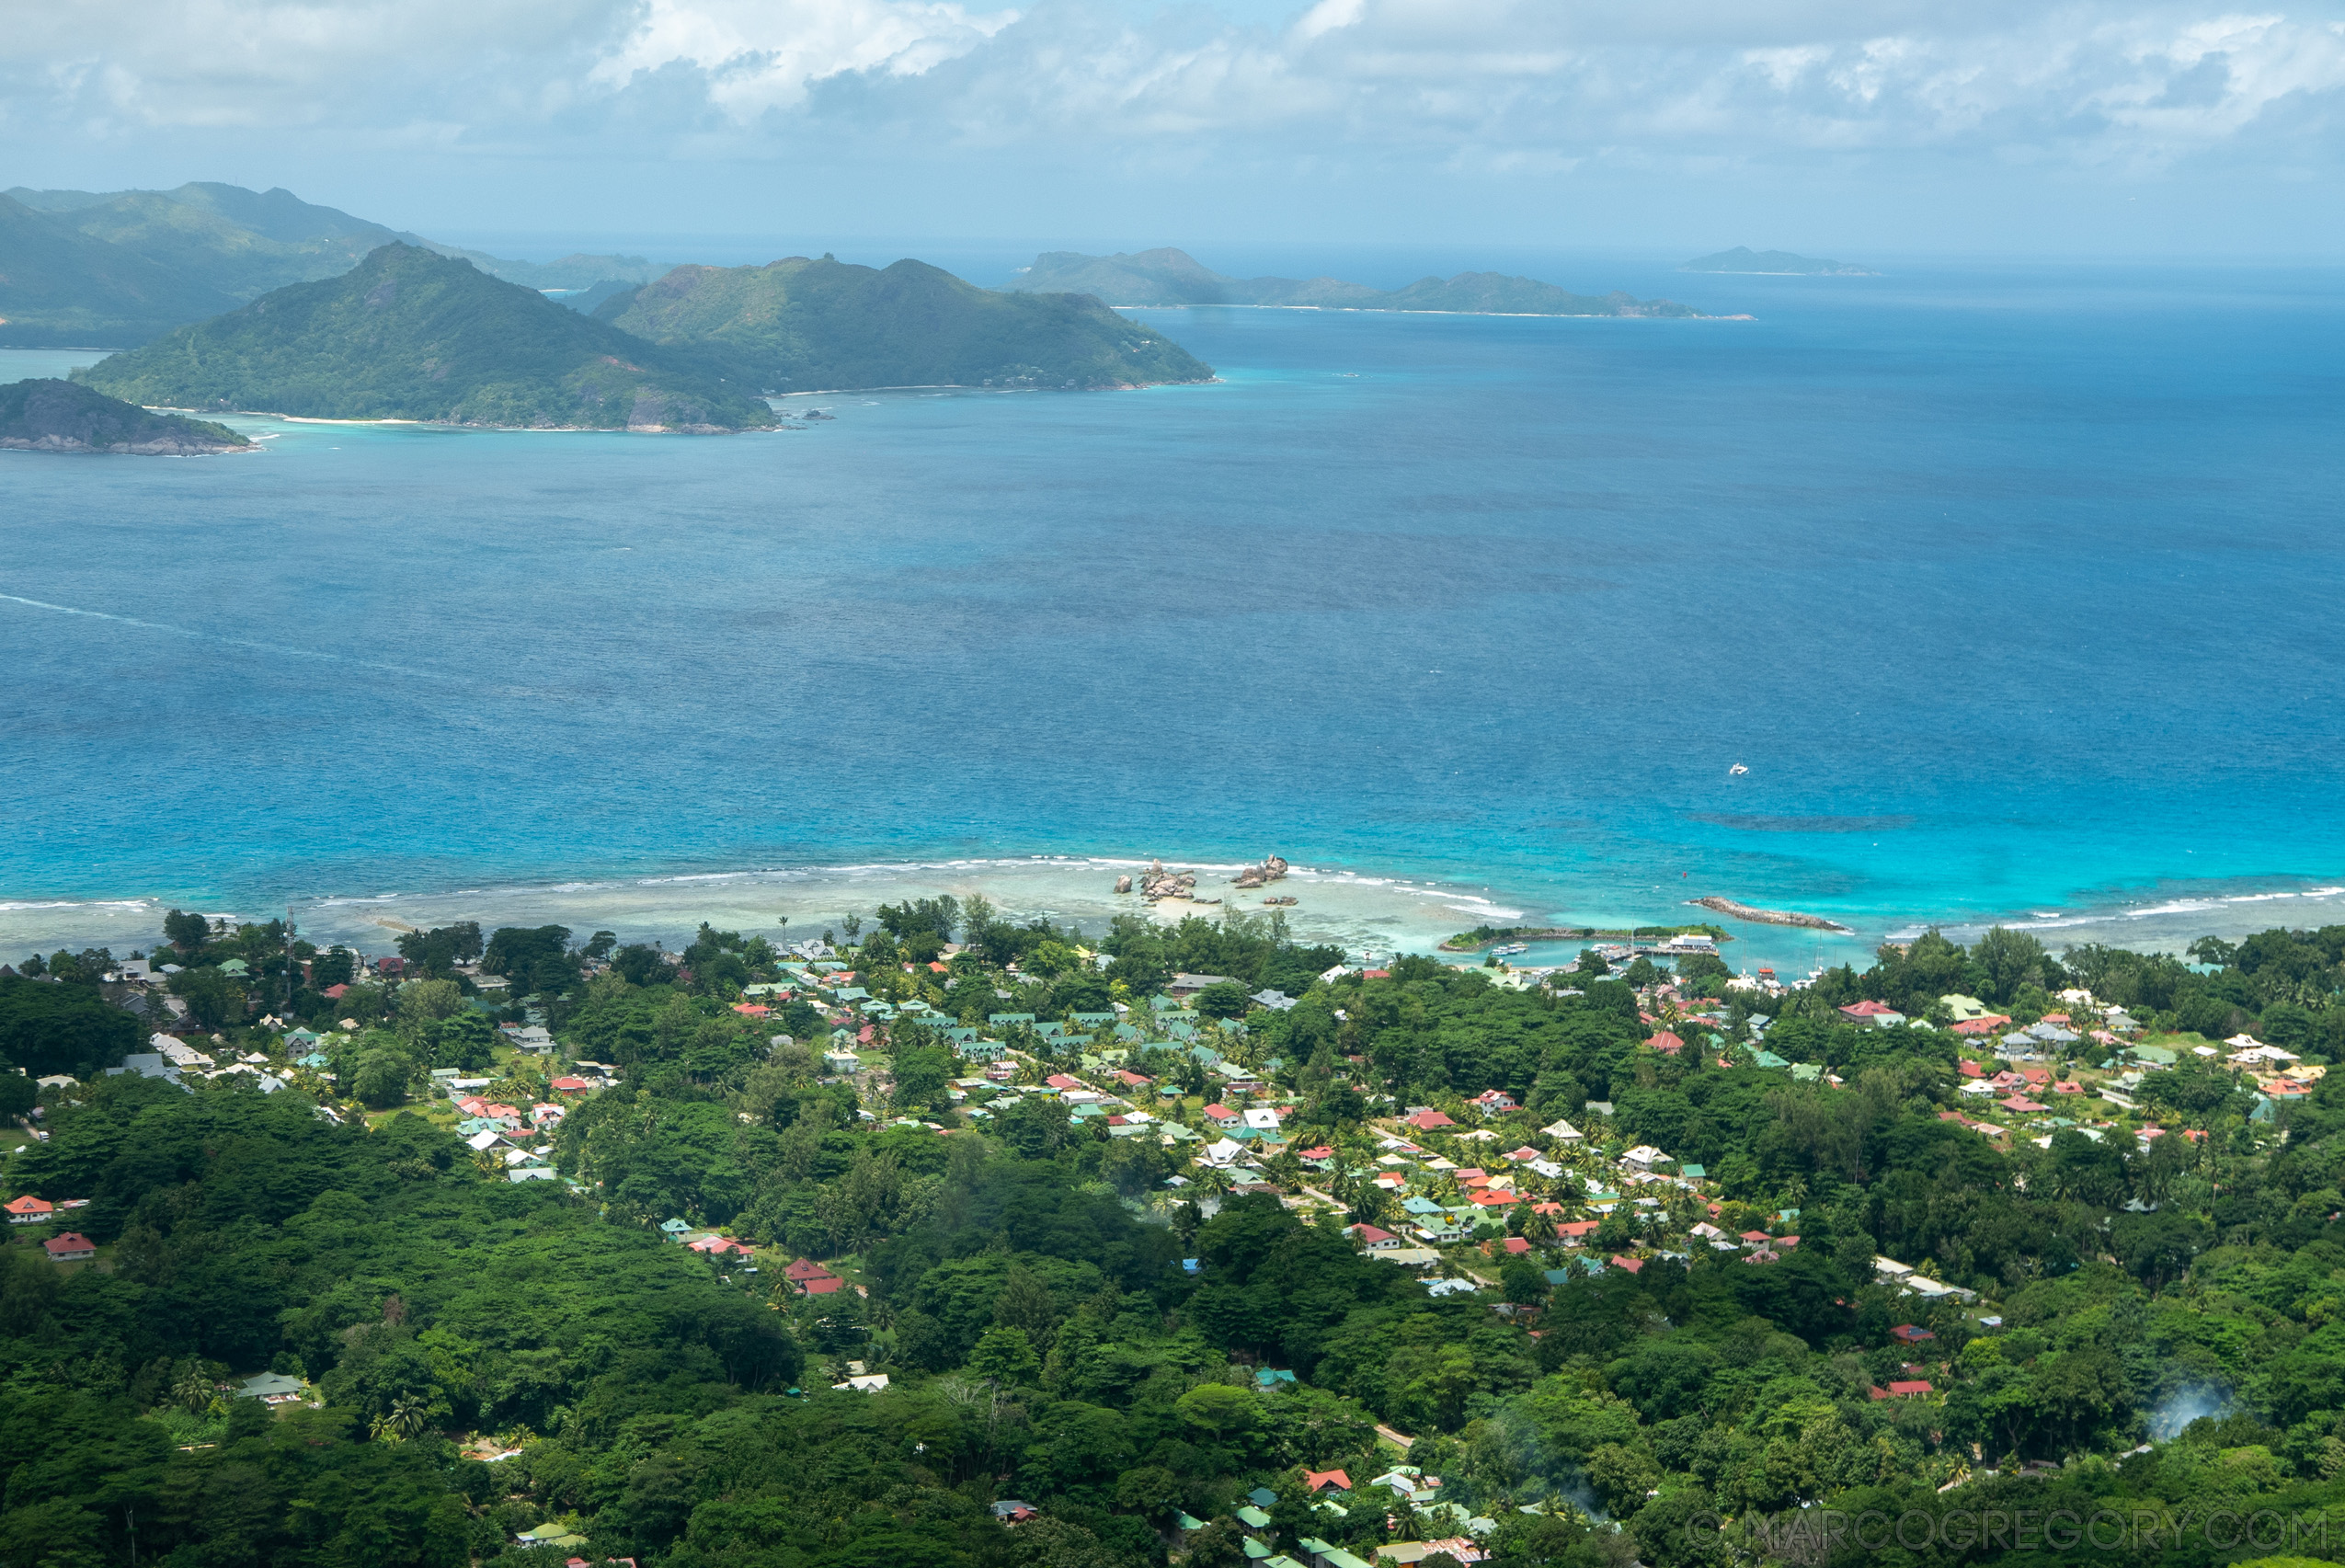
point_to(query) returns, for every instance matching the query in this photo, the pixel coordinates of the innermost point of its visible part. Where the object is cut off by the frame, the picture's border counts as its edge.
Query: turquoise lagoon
(2013, 594)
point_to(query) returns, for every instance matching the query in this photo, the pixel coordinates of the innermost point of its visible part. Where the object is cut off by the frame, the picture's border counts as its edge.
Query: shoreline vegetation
(1770, 917)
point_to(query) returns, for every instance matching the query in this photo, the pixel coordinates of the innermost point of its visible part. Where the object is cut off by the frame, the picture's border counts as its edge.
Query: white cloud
(1495, 83)
(761, 54)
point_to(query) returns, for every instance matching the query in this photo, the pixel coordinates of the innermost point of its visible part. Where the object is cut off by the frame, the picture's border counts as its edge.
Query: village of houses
(1465, 1186)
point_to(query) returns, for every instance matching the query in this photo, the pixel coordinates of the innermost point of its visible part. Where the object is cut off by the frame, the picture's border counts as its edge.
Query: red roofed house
(1970, 1069)
(752, 1010)
(1517, 1246)
(1130, 1079)
(718, 1246)
(1486, 1198)
(1986, 1026)
(1756, 1238)
(71, 1247)
(570, 1085)
(1376, 974)
(1907, 1333)
(1495, 1101)
(335, 993)
(2019, 1103)
(806, 1268)
(1576, 1231)
(2036, 1077)
(1372, 1239)
(1222, 1115)
(1634, 1265)
(1900, 1390)
(1866, 1009)
(828, 1284)
(1524, 1155)
(1063, 1081)
(1321, 1480)
(1428, 1119)
(1666, 1043)
(29, 1211)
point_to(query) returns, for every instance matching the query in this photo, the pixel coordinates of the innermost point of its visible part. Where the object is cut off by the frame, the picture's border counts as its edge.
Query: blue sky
(1858, 128)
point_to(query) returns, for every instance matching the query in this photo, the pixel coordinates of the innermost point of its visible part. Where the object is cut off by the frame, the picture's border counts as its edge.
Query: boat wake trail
(216, 638)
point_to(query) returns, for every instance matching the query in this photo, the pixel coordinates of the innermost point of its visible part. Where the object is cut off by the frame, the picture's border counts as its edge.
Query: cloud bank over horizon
(1902, 123)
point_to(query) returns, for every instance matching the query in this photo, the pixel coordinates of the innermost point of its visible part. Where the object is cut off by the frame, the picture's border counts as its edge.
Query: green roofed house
(1693, 1172)
(1965, 1008)
(235, 966)
(1002, 1020)
(550, 1534)
(1253, 1517)
(1805, 1072)
(2160, 1056)
(1768, 1059)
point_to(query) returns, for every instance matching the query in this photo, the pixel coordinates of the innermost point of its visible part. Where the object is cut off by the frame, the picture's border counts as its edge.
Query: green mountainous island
(59, 416)
(408, 334)
(1169, 277)
(809, 326)
(1773, 263)
(97, 270)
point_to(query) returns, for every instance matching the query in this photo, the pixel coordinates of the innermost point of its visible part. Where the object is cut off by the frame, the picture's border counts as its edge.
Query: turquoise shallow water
(2013, 590)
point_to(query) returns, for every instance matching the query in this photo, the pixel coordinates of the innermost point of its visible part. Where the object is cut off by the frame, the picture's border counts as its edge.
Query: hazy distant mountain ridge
(99, 268)
(60, 417)
(59, 288)
(1171, 277)
(408, 334)
(817, 326)
(1773, 263)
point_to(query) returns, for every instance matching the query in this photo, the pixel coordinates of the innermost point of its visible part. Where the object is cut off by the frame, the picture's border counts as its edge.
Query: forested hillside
(939, 1308)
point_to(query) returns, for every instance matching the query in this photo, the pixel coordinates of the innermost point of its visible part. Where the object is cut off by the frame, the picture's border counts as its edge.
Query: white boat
(1737, 770)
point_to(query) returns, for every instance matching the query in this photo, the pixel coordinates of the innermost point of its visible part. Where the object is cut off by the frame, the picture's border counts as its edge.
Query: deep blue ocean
(2013, 589)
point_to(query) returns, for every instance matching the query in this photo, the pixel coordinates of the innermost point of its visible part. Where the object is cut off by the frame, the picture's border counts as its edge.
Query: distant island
(60, 416)
(1773, 263)
(1169, 277)
(409, 334)
(113, 269)
(822, 326)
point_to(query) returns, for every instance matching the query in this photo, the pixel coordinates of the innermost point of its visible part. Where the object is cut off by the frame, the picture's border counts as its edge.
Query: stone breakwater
(1768, 917)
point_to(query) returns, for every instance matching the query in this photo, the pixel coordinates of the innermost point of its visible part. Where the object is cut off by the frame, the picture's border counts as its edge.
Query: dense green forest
(408, 334)
(2153, 1336)
(818, 326)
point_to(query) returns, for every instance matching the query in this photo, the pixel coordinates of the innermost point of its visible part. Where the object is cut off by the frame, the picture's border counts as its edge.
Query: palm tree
(403, 1420)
